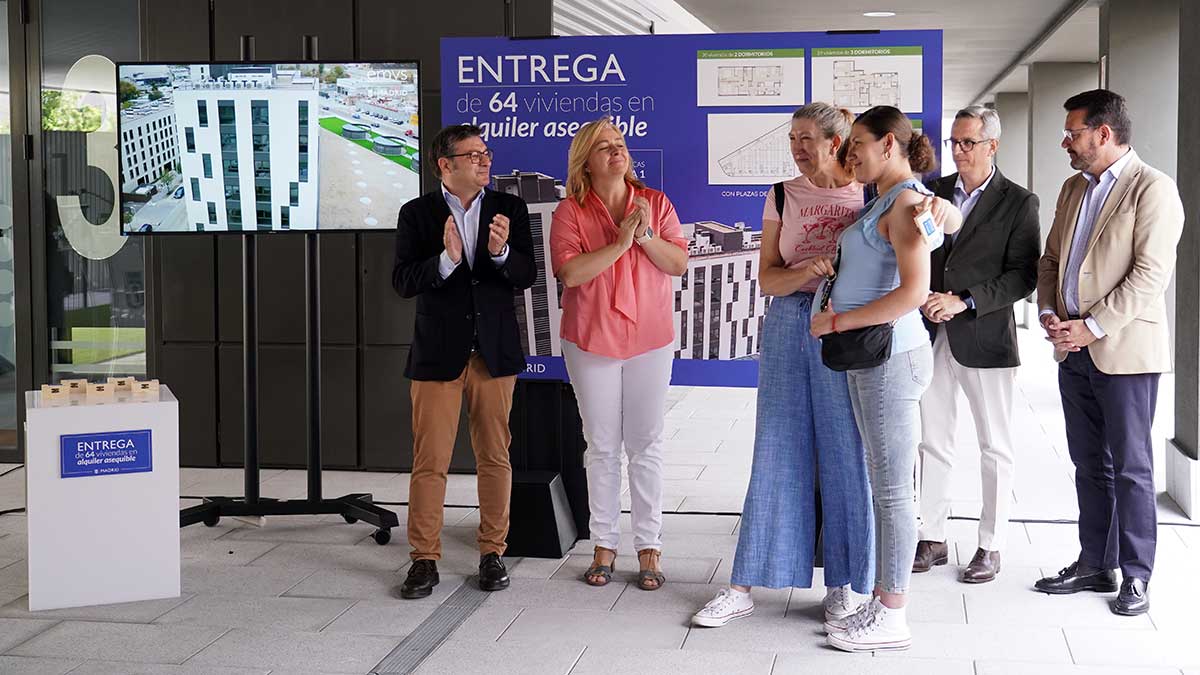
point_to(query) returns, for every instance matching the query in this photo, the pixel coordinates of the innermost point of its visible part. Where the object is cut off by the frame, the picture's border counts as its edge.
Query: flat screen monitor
(267, 147)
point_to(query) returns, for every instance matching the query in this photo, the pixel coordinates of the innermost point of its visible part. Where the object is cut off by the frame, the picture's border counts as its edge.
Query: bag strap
(778, 187)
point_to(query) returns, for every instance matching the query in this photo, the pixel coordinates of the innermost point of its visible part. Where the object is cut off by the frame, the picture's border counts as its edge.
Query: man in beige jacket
(1108, 259)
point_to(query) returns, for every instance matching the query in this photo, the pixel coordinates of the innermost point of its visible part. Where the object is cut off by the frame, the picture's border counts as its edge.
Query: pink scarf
(624, 300)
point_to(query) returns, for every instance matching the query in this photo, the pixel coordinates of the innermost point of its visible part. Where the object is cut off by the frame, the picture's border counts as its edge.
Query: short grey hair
(988, 116)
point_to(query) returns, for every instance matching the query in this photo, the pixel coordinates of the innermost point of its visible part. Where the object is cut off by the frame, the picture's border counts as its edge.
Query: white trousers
(622, 403)
(989, 394)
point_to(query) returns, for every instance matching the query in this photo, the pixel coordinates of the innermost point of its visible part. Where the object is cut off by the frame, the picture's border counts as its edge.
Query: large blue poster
(706, 120)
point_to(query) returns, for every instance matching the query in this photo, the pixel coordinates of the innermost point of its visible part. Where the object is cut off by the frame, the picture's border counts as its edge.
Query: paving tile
(486, 624)
(392, 617)
(712, 504)
(954, 641)
(1011, 668)
(793, 633)
(86, 640)
(1039, 609)
(223, 552)
(239, 580)
(604, 660)
(684, 598)
(1012, 580)
(684, 570)
(143, 611)
(366, 585)
(535, 568)
(330, 556)
(117, 668)
(659, 630)
(296, 614)
(558, 594)
(1108, 647)
(501, 659)
(15, 631)
(289, 652)
(29, 665)
(832, 661)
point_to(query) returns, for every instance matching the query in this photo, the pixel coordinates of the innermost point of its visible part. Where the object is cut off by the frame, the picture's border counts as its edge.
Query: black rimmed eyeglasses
(475, 155)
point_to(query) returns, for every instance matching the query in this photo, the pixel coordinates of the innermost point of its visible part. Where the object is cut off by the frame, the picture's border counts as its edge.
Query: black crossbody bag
(856, 349)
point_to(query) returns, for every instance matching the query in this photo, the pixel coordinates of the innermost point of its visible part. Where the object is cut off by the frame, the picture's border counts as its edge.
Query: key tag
(927, 226)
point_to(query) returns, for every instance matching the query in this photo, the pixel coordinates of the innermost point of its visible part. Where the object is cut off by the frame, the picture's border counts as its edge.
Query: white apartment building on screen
(248, 149)
(148, 144)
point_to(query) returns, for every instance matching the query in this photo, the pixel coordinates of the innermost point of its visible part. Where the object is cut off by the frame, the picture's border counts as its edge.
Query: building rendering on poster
(712, 136)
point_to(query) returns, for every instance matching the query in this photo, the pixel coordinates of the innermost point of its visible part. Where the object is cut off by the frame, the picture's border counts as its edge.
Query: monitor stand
(352, 507)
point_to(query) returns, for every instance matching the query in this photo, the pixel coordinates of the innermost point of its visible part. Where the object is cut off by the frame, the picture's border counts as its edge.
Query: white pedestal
(102, 496)
(1183, 480)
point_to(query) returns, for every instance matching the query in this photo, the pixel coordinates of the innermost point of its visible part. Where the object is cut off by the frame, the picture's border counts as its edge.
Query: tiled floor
(313, 595)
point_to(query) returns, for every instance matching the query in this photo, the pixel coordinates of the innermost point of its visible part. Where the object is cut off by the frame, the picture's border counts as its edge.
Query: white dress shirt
(467, 222)
(1099, 187)
(966, 203)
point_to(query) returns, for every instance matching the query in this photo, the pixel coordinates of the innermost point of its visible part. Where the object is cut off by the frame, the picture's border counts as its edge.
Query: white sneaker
(880, 629)
(841, 603)
(729, 604)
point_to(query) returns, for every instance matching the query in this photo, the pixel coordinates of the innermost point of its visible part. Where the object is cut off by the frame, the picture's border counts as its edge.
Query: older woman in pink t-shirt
(615, 244)
(805, 434)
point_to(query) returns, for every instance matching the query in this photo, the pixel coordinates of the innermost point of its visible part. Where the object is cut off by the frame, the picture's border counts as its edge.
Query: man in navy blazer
(462, 251)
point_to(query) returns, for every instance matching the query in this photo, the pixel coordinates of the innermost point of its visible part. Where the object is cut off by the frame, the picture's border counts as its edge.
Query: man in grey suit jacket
(976, 277)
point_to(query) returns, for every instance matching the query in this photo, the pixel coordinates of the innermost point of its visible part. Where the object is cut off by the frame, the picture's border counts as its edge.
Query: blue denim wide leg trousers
(805, 432)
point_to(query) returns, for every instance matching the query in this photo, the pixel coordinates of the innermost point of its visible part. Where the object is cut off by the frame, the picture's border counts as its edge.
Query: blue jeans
(887, 406)
(804, 433)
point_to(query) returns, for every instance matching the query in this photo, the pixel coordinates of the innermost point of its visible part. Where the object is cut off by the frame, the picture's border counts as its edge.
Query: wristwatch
(645, 237)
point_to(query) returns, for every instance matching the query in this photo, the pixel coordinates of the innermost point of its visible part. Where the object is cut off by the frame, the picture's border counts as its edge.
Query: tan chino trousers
(436, 408)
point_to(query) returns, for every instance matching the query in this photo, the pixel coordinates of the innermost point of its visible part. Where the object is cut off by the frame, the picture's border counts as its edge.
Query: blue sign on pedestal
(106, 453)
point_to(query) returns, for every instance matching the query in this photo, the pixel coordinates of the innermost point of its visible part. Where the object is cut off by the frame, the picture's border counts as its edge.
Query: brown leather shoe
(929, 554)
(983, 568)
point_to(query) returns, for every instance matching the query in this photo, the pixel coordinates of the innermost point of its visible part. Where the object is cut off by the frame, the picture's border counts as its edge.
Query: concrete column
(1139, 45)
(1013, 156)
(1183, 469)
(1139, 42)
(1050, 85)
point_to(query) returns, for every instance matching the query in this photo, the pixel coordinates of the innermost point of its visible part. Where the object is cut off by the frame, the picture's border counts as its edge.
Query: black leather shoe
(1132, 600)
(1077, 577)
(492, 574)
(422, 577)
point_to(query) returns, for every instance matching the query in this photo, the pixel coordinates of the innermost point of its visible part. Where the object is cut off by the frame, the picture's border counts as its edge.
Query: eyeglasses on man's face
(1069, 135)
(476, 156)
(966, 144)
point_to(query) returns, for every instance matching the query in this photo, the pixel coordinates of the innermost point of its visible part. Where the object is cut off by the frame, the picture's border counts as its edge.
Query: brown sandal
(648, 573)
(604, 572)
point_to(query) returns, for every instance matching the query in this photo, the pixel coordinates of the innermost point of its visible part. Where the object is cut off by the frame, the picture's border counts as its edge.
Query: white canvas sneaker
(879, 629)
(729, 604)
(840, 604)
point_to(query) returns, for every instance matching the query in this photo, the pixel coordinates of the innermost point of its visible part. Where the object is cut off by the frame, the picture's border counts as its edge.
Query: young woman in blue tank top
(883, 277)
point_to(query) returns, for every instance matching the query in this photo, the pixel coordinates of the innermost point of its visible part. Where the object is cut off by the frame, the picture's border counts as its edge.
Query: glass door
(94, 277)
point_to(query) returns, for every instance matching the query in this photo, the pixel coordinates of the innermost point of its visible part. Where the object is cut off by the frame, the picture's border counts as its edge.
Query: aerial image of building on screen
(267, 147)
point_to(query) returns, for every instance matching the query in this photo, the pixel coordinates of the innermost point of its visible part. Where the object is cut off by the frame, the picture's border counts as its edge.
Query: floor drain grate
(415, 648)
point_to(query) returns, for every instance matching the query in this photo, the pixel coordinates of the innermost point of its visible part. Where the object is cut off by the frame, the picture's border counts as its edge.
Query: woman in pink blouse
(615, 244)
